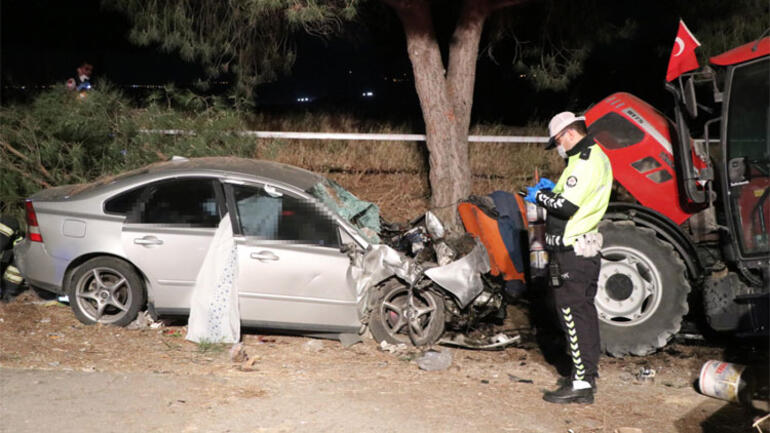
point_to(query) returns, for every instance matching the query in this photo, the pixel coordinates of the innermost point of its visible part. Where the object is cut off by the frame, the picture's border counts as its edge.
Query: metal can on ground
(725, 381)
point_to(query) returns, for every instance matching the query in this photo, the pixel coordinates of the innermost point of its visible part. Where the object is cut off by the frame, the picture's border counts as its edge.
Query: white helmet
(558, 123)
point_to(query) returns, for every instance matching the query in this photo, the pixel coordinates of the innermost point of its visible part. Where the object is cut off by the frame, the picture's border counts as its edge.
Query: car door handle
(263, 256)
(148, 240)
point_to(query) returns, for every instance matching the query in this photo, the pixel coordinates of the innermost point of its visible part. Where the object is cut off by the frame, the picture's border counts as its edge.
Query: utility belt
(586, 245)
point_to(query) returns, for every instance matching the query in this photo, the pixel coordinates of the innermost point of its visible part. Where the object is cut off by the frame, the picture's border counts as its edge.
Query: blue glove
(531, 193)
(545, 183)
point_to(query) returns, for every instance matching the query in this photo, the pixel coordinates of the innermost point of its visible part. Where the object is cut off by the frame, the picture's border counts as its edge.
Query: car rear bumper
(39, 268)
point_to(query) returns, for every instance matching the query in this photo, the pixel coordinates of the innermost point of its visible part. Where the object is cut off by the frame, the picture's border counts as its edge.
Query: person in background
(83, 76)
(82, 80)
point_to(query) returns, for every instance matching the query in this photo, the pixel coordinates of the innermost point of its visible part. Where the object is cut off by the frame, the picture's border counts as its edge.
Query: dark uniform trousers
(574, 300)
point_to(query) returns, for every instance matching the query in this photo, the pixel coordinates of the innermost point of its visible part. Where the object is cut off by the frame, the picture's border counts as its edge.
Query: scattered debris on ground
(475, 390)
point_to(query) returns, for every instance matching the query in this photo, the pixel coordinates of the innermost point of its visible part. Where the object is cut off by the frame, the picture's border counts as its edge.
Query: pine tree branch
(28, 176)
(11, 149)
(24, 158)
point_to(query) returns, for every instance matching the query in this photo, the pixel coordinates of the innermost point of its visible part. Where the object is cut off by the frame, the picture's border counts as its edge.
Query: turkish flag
(683, 54)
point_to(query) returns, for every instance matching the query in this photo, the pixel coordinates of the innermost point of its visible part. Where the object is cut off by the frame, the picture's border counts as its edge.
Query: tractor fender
(664, 228)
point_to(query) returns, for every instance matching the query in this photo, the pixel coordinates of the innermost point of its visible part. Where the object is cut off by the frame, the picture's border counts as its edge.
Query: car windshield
(363, 215)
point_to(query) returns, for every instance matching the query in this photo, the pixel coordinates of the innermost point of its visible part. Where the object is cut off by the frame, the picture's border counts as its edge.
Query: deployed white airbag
(214, 315)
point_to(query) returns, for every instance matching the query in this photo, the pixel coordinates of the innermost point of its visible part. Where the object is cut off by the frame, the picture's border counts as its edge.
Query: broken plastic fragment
(434, 361)
(497, 341)
(444, 253)
(434, 225)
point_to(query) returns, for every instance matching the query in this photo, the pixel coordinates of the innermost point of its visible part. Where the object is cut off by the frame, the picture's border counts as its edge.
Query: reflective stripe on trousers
(577, 313)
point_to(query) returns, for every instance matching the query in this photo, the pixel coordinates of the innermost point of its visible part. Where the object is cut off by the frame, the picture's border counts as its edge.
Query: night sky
(43, 42)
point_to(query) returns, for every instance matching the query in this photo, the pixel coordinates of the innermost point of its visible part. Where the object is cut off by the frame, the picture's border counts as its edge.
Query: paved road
(83, 402)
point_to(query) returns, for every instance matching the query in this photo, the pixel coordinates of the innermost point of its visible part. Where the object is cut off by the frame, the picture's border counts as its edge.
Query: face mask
(560, 150)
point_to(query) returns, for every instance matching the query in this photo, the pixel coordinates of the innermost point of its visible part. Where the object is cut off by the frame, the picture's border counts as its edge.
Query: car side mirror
(347, 243)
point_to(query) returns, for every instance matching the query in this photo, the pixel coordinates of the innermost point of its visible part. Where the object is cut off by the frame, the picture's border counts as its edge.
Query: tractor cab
(745, 146)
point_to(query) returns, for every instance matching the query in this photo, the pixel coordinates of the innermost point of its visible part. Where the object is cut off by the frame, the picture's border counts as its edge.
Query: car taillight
(33, 227)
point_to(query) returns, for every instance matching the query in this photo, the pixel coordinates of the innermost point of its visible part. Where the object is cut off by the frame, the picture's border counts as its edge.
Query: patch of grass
(211, 347)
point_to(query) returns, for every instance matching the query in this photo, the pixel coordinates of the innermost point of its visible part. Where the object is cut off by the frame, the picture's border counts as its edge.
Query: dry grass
(394, 174)
(400, 196)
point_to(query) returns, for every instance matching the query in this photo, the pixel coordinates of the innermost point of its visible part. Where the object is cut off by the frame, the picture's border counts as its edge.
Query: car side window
(189, 202)
(280, 216)
(123, 203)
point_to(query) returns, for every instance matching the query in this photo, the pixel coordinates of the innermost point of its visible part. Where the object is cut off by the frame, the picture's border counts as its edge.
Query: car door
(292, 274)
(168, 233)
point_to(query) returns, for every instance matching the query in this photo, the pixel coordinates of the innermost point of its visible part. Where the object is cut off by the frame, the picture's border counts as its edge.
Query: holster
(554, 271)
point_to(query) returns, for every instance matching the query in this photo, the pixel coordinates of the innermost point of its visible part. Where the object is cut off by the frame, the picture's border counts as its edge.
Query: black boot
(565, 394)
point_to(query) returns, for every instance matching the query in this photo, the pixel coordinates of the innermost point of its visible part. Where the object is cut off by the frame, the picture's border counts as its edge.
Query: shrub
(61, 138)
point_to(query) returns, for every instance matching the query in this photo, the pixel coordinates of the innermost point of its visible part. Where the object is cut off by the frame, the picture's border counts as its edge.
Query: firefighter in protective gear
(574, 206)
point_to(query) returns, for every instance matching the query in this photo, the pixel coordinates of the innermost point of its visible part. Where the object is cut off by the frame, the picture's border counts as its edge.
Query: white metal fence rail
(355, 136)
(365, 137)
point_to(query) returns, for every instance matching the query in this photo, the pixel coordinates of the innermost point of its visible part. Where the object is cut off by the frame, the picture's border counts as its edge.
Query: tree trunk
(449, 173)
(446, 97)
(463, 53)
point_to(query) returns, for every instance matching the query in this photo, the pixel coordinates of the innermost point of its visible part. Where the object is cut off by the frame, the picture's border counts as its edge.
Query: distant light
(350, 72)
(303, 99)
(368, 94)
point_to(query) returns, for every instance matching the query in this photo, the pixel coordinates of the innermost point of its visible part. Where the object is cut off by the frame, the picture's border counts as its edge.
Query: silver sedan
(118, 245)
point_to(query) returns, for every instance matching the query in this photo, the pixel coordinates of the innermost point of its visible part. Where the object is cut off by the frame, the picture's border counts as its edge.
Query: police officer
(574, 206)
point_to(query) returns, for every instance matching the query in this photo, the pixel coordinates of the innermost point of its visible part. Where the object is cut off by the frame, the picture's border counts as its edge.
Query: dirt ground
(57, 374)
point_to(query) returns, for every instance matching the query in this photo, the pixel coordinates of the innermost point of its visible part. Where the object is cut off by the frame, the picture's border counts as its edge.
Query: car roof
(275, 171)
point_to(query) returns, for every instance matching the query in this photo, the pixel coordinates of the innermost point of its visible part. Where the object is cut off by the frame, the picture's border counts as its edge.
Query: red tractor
(698, 214)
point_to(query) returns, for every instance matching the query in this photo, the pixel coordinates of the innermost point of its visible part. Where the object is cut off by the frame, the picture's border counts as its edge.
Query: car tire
(642, 290)
(388, 321)
(105, 290)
